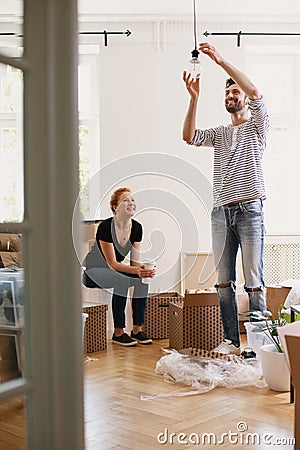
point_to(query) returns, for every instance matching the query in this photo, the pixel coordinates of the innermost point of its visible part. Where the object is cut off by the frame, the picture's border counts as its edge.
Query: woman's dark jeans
(121, 282)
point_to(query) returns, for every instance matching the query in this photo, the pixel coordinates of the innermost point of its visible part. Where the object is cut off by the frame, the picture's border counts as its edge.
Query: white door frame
(53, 380)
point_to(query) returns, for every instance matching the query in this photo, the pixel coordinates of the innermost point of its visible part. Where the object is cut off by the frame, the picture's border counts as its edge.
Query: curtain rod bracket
(239, 38)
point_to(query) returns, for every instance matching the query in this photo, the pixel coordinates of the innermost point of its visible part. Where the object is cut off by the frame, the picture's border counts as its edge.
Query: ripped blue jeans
(233, 226)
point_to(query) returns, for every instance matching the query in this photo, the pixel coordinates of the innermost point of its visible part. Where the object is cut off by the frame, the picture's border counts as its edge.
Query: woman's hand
(145, 273)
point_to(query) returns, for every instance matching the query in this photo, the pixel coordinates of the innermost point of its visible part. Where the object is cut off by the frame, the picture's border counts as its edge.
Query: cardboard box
(95, 338)
(275, 297)
(157, 314)
(196, 322)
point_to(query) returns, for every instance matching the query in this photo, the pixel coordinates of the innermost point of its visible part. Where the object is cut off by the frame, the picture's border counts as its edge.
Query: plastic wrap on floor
(204, 374)
(89, 359)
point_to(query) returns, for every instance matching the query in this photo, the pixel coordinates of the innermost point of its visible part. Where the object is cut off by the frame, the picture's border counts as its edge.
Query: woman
(116, 237)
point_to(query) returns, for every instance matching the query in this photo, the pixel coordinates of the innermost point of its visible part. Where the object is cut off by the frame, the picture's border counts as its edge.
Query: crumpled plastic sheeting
(88, 359)
(204, 374)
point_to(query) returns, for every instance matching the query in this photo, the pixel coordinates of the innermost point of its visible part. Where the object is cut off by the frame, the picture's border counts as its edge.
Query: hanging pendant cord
(195, 25)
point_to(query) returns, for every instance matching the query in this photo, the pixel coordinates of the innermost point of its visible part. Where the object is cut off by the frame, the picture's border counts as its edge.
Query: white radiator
(281, 262)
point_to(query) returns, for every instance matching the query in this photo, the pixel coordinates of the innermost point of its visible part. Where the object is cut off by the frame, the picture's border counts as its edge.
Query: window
(11, 145)
(11, 137)
(89, 105)
(282, 157)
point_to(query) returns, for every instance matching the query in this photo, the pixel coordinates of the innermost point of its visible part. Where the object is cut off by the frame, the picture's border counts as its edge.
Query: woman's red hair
(115, 198)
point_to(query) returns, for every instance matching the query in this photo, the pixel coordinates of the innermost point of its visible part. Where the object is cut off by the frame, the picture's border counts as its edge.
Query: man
(238, 190)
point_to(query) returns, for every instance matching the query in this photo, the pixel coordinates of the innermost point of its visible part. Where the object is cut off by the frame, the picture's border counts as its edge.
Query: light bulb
(195, 68)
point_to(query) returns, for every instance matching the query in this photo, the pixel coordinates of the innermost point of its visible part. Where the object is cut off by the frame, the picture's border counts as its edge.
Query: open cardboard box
(275, 298)
(203, 298)
(196, 322)
(210, 298)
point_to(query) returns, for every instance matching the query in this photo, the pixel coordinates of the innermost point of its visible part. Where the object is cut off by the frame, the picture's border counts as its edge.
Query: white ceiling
(233, 7)
(261, 9)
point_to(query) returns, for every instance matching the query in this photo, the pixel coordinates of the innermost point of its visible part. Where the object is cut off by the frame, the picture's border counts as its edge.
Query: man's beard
(234, 107)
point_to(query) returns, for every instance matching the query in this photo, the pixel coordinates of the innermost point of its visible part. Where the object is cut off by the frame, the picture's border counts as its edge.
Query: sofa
(10, 250)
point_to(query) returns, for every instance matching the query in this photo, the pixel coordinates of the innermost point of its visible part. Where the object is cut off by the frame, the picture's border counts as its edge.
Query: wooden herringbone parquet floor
(116, 417)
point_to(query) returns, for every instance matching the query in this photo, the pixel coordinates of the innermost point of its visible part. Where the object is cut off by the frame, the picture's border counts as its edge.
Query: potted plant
(273, 362)
(267, 325)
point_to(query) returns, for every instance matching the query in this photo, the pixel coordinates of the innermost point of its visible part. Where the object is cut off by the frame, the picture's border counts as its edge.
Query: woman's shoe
(141, 338)
(124, 340)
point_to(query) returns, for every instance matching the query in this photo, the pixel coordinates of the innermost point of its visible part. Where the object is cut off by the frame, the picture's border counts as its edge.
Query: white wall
(143, 102)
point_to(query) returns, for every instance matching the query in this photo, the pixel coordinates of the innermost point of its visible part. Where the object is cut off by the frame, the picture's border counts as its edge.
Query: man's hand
(211, 51)
(192, 84)
(239, 77)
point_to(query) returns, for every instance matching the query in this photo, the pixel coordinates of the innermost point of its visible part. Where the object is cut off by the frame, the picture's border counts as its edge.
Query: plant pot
(256, 339)
(275, 369)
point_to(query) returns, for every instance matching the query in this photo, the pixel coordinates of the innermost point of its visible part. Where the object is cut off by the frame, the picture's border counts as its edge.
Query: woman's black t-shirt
(106, 232)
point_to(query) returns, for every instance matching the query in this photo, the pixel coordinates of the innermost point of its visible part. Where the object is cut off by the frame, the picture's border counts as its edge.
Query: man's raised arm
(239, 77)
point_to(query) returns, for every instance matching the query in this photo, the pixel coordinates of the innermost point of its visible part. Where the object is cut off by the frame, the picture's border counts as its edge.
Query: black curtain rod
(105, 33)
(240, 33)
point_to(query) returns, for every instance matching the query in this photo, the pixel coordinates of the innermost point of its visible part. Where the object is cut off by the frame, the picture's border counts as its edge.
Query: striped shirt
(238, 152)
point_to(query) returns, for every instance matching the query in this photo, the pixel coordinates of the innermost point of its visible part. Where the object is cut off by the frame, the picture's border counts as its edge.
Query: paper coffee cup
(149, 265)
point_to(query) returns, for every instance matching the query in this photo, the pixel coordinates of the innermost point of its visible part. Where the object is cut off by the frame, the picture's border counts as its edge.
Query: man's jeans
(234, 225)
